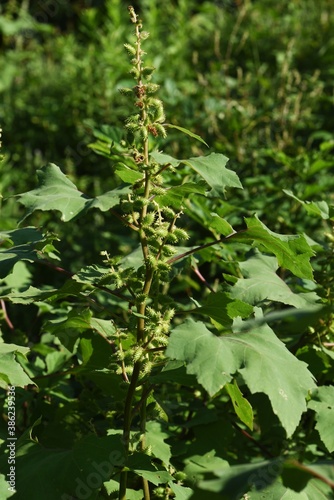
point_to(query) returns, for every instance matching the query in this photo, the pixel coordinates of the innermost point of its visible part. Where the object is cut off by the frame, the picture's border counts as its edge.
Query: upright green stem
(127, 425)
(146, 488)
(142, 157)
(141, 333)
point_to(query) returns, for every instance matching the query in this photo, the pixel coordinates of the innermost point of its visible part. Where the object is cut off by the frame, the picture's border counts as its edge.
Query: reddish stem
(8, 321)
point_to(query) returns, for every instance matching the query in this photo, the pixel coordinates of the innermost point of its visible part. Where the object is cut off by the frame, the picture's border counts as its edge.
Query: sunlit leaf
(126, 174)
(212, 169)
(19, 245)
(142, 465)
(317, 208)
(164, 159)
(155, 438)
(292, 252)
(57, 192)
(258, 355)
(223, 308)
(262, 283)
(241, 406)
(11, 371)
(175, 195)
(322, 403)
(187, 132)
(5, 487)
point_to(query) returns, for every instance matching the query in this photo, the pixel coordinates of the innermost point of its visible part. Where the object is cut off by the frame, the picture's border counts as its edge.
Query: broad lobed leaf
(20, 245)
(223, 308)
(258, 355)
(322, 403)
(262, 283)
(212, 169)
(57, 192)
(292, 252)
(11, 371)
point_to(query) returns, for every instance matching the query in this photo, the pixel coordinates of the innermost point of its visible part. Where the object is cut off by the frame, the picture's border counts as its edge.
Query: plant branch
(206, 245)
(202, 279)
(94, 285)
(7, 320)
(264, 450)
(127, 424)
(145, 394)
(122, 219)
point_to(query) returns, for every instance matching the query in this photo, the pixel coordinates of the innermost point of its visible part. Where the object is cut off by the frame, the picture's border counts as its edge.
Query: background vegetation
(254, 79)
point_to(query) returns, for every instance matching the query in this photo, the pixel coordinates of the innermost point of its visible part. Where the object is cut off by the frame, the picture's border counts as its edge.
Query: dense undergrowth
(177, 340)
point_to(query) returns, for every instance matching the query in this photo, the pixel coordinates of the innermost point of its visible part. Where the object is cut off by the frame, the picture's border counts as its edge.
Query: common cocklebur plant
(164, 371)
(156, 225)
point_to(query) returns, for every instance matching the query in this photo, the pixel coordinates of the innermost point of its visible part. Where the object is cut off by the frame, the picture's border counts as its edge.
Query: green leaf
(32, 294)
(233, 482)
(258, 355)
(197, 466)
(320, 164)
(275, 491)
(20, 277)
(96, 353)
(77, 321)
(163, 159)
(212, 169)
(202, 352)
(262, 283)
(11, 371)
(241, 406)
(66, 473)
(5, 492)
(154, 477)
(101, 148)
(155, 437)
(322, 403)
(187, 132)
(317, 208)
(56, 360)
(315, 488)
(223, 309)
(292, 252)
(103, 327)
(142, 465)
(57, 192)
(112, 488)
(21, 236)
(296, 320)
(298, 476)
(134, 259)
(174, 371)
(21, 245)
(181, 492)
(28, 296)
(92, 275)
(126, 174)
(220, 225)
(108, 133)
(175, 195)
